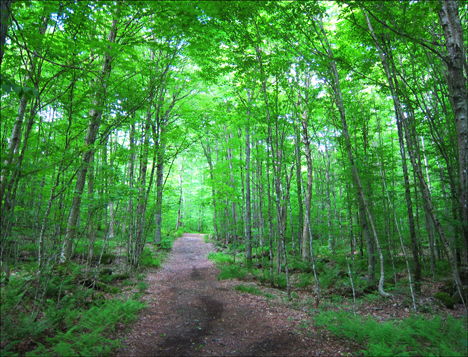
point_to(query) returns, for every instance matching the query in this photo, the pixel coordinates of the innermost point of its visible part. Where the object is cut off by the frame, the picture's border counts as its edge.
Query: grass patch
(249, 289)
(231, 272)
(415, 336)
(220, 258)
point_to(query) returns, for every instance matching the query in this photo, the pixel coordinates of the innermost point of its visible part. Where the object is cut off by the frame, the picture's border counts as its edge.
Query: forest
(322, 146)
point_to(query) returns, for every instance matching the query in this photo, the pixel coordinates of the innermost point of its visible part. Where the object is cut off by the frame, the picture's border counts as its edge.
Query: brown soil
(190, 312)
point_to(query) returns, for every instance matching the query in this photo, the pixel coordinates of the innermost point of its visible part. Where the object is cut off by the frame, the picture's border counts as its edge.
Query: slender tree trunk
(393, 84)
(331, 243)
(297, 152)
(179, 211)
(308, 197)
(93, 129)
(91, 212)
(207, 151)
(248, 212)
(361, 194)
(111, 203)
(160, 182)
(131, 173)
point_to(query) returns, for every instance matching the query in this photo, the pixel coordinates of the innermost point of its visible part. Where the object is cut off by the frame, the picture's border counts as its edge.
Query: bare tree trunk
(140, 217)
(91, 212)
(159, 181)
(248, 211)
(409, 207)
(331, 243)
(207, 151)
(297, 152)
(179, 211)
(111, 203)
(308, 197)
(131, 173)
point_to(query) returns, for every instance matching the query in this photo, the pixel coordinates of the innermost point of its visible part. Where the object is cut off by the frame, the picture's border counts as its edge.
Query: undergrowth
(68, 331)
(414, 336)
(250, 289)
(65, 309)
(231, 272)
(220, 258)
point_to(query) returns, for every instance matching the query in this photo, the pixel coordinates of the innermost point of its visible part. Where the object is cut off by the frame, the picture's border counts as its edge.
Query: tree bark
(248, 211)
(5, 10)
(308, 197)
(457, 69)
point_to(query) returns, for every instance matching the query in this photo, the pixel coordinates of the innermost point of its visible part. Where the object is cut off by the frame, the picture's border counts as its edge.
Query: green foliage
(280, 281)
(142, 286)
(415, 336)
(305, 280)
(87, 330)
(220, 258)
(147, 259)
(445, 298)
(65, 328)
(107, 258)
(329, 277)
(250, 289)
(231, 272)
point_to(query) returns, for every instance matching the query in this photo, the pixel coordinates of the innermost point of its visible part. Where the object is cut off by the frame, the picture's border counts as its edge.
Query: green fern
(415, 336)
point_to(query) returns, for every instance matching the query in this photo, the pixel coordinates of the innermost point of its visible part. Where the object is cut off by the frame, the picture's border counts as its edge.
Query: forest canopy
(299, 128)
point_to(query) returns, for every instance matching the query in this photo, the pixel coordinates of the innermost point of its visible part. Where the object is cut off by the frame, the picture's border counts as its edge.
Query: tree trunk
(5, 10)
(361, 194)
(159, 183)
(248, 212)
(308, 197)
(393, 84)
(93, 129)
(457, 66)
(179, 211)
(207, 151)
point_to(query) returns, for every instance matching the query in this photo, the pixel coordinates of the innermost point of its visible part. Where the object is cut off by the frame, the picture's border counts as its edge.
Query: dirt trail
(190, 312)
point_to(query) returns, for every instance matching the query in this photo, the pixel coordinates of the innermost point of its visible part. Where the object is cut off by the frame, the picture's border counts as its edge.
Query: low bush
(231, 272)
(415, 336)
(147, 260)
(250, 289)
(220, 258)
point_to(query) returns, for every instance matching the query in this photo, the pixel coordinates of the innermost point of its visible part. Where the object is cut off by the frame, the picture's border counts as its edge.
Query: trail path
(190, 312)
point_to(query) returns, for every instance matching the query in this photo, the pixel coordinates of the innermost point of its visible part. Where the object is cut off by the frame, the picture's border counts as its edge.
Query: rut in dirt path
(190, 312)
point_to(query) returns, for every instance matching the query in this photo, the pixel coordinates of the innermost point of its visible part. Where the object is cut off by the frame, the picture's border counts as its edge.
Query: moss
(445, 298)
(456, 297)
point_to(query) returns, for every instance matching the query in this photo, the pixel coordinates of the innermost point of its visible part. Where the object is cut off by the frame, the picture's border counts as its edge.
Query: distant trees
(303, 128)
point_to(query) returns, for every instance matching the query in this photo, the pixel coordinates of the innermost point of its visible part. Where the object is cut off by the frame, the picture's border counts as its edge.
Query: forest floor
(190, 312)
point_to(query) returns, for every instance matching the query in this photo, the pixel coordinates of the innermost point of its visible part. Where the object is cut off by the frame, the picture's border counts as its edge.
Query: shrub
(250, 289)
(220, 258)
(148, 261)
(416, 335)
(231, 272)
(87, 331)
